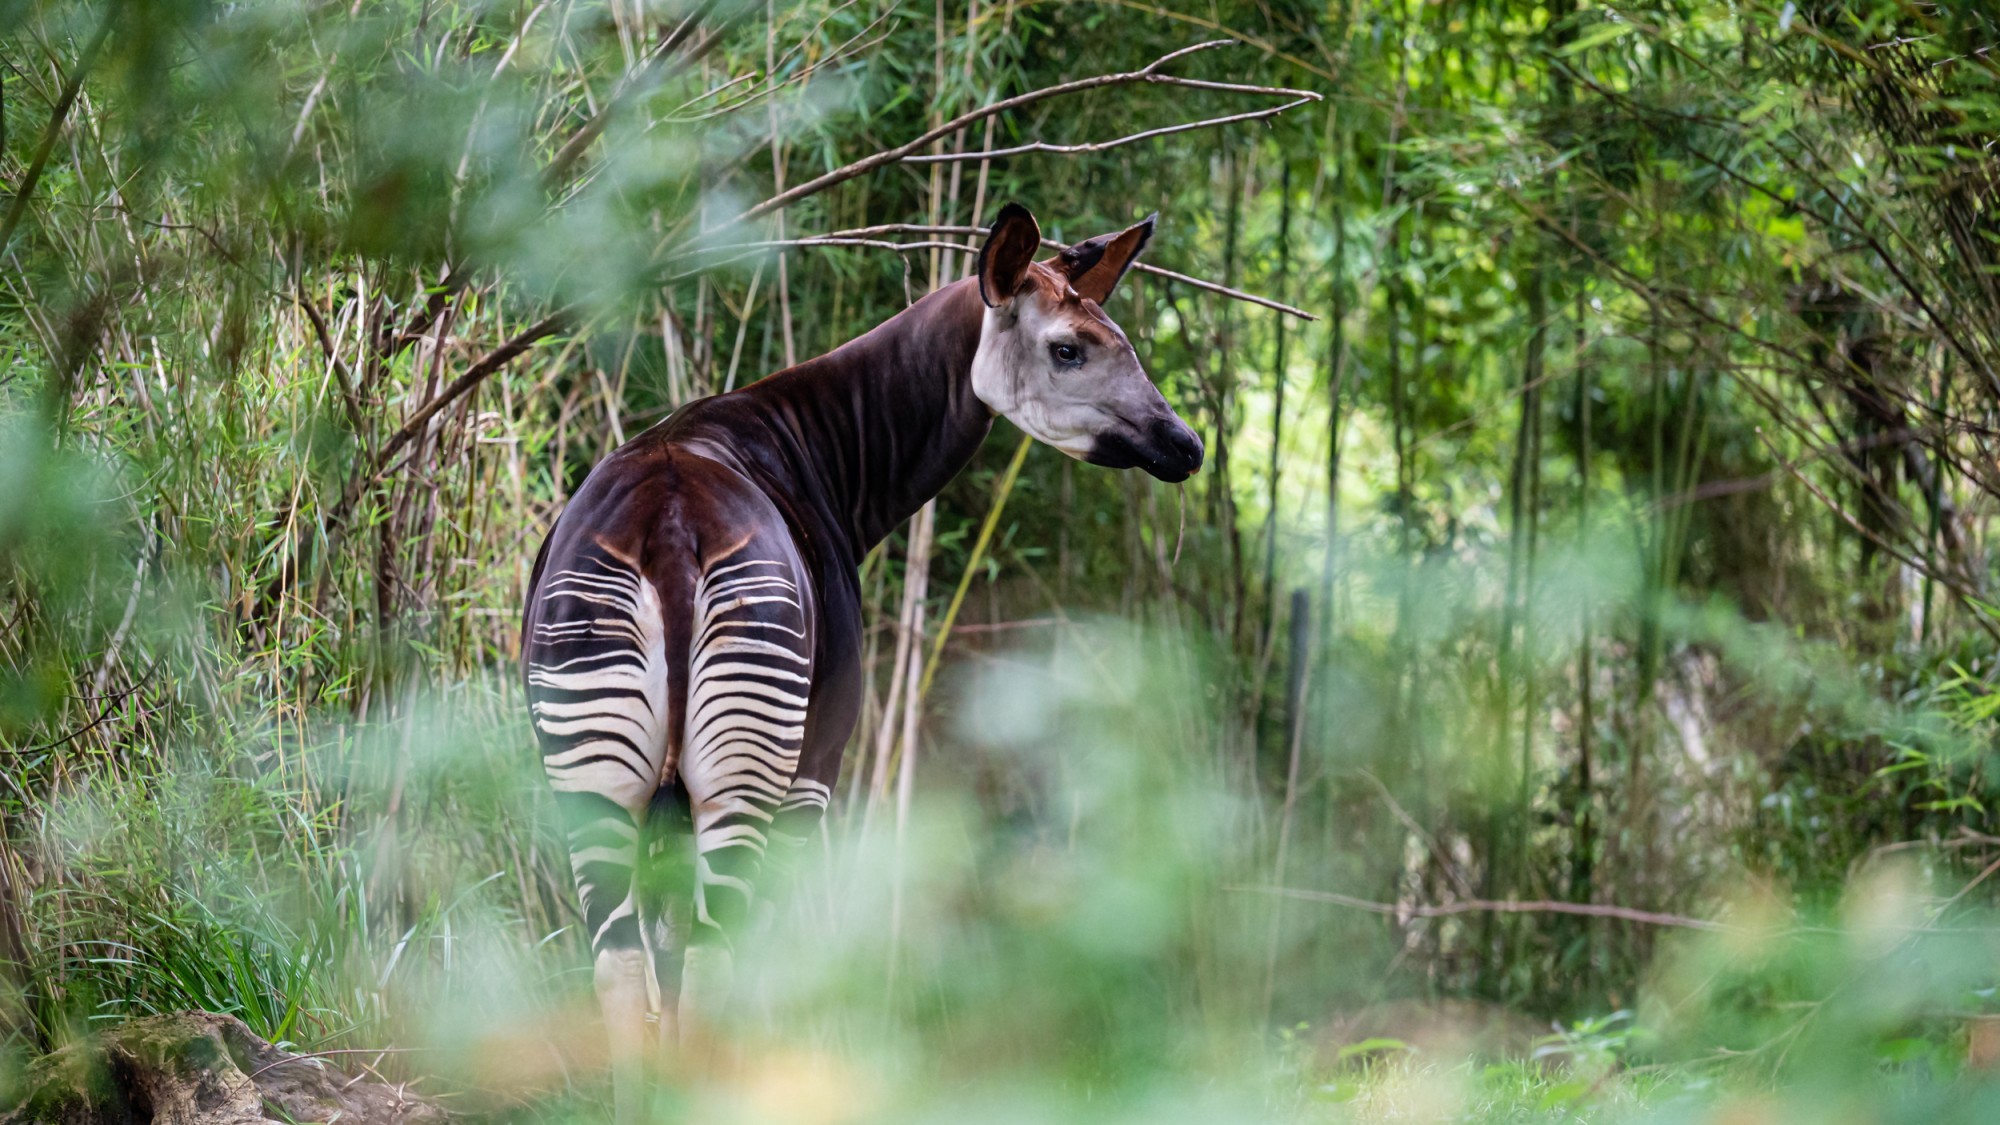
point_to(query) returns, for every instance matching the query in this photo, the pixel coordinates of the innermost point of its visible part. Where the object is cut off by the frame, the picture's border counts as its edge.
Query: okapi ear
(1095, 265)
(1009, 251)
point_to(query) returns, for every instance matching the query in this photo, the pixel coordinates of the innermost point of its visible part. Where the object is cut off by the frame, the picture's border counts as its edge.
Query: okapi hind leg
(597, 681)
(604, 855)
(710, 969)
(791, 830)
(748, 686)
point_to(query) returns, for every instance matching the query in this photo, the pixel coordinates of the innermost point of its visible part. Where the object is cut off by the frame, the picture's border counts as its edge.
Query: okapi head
(1054, 364)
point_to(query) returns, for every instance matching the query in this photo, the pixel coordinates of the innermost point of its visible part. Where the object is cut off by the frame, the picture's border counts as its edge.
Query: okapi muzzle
(1054, 364)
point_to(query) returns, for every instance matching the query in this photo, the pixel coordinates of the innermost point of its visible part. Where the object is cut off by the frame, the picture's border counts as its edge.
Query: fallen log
(199, 1068)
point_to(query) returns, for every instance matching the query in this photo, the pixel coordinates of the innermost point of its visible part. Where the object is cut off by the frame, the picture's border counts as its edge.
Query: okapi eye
(1068, 355)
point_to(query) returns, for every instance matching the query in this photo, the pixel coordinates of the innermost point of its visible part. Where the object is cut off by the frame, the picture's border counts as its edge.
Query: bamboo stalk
(916, 570)
(1298, 686)
(778, 182)
(1000, 494)
(889, 756)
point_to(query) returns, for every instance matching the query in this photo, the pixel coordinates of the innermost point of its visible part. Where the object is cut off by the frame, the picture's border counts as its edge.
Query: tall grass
(1071, 924)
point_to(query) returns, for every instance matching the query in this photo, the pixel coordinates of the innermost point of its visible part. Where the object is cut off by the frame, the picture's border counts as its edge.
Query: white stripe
(641, 668)
(744, 724)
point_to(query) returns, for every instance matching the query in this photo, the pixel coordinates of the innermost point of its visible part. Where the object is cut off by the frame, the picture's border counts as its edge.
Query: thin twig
(1248, 40)
(1943, 578)
(1005, 626)
(302, 1056)
(25, 189)
(836, 240)
(1492, 906)
(456, 277)
(102, 715)
(494, 360)
(1396, 808)
(207, 236)
(347, 392)
(854, 45)
(1180, 532)
(474, 375)
(1984, 874)
(594, 127)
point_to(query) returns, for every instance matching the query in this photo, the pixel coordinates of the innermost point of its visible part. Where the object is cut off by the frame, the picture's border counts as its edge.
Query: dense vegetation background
(1577, 652)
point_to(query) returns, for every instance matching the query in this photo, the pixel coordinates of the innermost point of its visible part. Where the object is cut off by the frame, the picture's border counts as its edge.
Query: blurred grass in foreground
(1061, 930)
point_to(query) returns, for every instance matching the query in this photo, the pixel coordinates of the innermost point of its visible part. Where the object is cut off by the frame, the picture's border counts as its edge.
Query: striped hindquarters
(749, 676)
(597, 681)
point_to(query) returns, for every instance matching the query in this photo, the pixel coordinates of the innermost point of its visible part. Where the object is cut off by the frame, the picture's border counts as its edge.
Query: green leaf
(1598, 36)
(1372, 1046)
(1565, 1093)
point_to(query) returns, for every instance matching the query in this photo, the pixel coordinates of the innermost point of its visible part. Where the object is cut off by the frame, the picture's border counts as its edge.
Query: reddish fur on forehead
(1050, 286)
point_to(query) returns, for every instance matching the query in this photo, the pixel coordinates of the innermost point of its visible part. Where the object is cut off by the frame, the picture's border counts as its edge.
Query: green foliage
(1637, 475)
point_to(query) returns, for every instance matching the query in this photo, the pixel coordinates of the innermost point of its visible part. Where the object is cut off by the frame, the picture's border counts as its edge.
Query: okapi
(692, 634)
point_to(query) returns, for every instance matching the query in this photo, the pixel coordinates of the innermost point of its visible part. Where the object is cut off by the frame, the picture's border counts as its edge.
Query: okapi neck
(882, 423)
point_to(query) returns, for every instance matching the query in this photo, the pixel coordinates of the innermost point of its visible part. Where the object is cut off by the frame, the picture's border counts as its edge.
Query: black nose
(1165, 448)
(1177, 450)
(1180, 443)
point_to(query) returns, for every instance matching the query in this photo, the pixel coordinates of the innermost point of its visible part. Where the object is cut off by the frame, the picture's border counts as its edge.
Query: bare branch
(455, 279)
(1491, 906)
(1100, 146)
(1224, 291)
(25, 187)
(785, 59)
(474, 375)
(839, 240)
(366, 475)
(863, 233)
(113, 701)
(1248, 40)
(1943, 577)
(711, 92)
(902, 228)
(1148, 73)
(341, 374)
